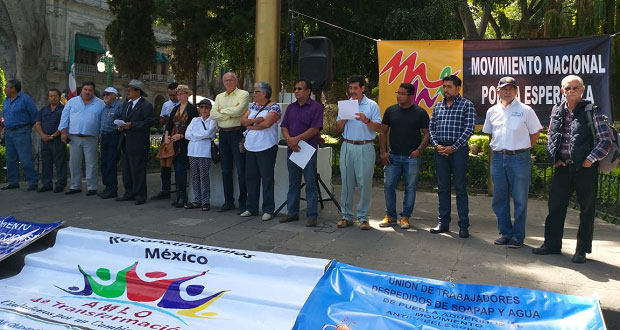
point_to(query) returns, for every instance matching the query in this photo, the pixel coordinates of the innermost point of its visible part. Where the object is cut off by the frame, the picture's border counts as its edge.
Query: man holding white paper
(357, 154)
(303, 120)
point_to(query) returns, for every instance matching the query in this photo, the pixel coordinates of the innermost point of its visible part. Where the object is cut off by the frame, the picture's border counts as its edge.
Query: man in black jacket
(574, 153)
(138, 115)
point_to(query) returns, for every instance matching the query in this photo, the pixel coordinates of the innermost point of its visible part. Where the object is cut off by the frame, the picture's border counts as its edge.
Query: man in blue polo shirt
(80, 123)
(110, 136)
(357, 154)
(53, 151)
(19, 114)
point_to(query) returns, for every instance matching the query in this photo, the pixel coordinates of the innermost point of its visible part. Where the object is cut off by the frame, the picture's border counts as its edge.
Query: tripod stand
(321, 200)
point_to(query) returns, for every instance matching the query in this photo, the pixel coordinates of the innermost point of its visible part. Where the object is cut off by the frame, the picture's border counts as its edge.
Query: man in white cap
(109, 142)
(139, 116)
(514, 129)
(80, 123)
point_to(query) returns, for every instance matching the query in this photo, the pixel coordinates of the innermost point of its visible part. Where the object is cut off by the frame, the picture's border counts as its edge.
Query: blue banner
(354, 298)
(16, 235)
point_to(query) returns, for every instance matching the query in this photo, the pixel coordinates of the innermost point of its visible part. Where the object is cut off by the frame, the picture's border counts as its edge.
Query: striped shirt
(452, 125)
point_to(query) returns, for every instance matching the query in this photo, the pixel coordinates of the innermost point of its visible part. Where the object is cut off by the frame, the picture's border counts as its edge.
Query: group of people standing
(248, 142)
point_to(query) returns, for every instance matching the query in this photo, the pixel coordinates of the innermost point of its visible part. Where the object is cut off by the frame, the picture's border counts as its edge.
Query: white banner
(99, 280)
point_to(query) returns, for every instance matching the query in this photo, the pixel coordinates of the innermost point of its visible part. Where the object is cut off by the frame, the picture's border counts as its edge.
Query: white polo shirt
(510, 127)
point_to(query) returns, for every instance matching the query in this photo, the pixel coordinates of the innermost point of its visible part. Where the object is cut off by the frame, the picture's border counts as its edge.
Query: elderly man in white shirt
(514, 129)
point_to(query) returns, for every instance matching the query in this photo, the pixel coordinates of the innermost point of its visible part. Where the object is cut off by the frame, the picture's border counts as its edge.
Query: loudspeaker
(315, 62)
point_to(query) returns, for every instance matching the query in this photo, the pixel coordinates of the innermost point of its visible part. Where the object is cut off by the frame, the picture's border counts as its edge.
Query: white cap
(111, 90)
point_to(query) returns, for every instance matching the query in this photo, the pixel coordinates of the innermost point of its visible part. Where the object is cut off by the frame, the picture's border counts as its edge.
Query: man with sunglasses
(164, 116)
(574, 152)
(109, 142)
(303, 120)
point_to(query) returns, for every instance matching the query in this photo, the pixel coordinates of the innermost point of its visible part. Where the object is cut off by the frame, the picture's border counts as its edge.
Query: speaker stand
(320, 197)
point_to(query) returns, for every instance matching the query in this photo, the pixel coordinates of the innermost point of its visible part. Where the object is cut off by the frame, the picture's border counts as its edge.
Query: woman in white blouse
(200, 133)
(261, 143)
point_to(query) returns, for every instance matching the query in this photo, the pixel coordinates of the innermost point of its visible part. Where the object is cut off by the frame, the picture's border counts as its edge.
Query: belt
(14, 128)
(108, 133)
(230, 129)
(357, 142)
(82, 135)
(511, 152)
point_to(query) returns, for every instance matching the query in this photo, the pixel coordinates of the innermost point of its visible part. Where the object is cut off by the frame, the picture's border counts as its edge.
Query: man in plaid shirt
(574, 153)
(450, 127)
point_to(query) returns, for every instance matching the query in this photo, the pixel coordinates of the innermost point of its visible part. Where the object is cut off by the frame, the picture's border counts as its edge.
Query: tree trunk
(25, 46)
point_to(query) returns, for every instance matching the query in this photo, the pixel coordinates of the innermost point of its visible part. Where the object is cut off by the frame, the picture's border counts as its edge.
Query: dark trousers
(166, 179)
(134, 174)
(181, 166)
(109, 161)
(229, 150)
(54, 154)
(259, 170)
(567, 179)
(454, 165)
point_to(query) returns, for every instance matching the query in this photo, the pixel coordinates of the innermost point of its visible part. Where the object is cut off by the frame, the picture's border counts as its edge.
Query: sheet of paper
(348, 109)
(119, 122)
(302, 157)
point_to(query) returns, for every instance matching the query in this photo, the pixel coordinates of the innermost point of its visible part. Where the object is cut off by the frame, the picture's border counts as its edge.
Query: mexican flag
(71, 88)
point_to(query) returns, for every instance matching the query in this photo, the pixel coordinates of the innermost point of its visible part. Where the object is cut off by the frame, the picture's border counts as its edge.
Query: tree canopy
(130, 36)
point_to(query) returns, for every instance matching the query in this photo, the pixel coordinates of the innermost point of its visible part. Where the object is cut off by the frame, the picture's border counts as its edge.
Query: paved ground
(413, 252)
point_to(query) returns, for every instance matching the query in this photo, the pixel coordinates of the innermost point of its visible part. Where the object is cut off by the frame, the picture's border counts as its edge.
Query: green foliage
(130, 36)
(480, 140)
(2, 82)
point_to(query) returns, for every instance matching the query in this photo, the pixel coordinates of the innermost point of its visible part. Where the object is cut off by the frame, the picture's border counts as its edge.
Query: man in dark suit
(138, 115)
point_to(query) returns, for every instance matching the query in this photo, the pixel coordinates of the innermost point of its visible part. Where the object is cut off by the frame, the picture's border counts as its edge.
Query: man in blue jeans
(514, 129)
(451, 126)
(19, 114)
(404, 121)
(109, 137)
(303, 120)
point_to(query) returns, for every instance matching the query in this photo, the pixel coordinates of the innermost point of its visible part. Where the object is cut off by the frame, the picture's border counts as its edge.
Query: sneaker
(246, 214)
(386, 222)
(364, 225)
(266, 216)
(502, 241)
(343, 223)
(514, 243)
(404, 223)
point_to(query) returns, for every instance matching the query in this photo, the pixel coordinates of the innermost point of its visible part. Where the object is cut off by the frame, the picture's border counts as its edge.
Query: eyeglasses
(402, 94)
(299, 89)
(256, 92)
(569, 88)
(106, 94)
(204, 107)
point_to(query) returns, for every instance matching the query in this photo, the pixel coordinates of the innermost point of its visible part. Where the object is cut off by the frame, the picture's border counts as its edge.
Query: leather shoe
(311, 222)
(160, 196)
(579, 257)
(72, 191)
(140, 202)
(226, 207)
(91, 193)
(544, 250)
(10, 186)
(32, 187)
(44, 189)
(125, 198)
(59, 189)
(439, 229)
(464, 233)
(290, 218)
(107, 195)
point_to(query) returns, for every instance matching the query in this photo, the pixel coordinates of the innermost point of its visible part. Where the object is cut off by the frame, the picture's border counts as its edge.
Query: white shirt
(262, 139)
(199, 137)
(510, 127)
(167, 107)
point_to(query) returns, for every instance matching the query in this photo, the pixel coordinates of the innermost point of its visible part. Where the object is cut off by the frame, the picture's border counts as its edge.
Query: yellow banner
(422, 63)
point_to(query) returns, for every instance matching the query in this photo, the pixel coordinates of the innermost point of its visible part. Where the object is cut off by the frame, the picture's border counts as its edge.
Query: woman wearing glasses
(180, 117)
(200, 133)
(261, 143)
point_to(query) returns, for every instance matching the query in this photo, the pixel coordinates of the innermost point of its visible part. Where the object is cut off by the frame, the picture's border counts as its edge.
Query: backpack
(610, 161)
